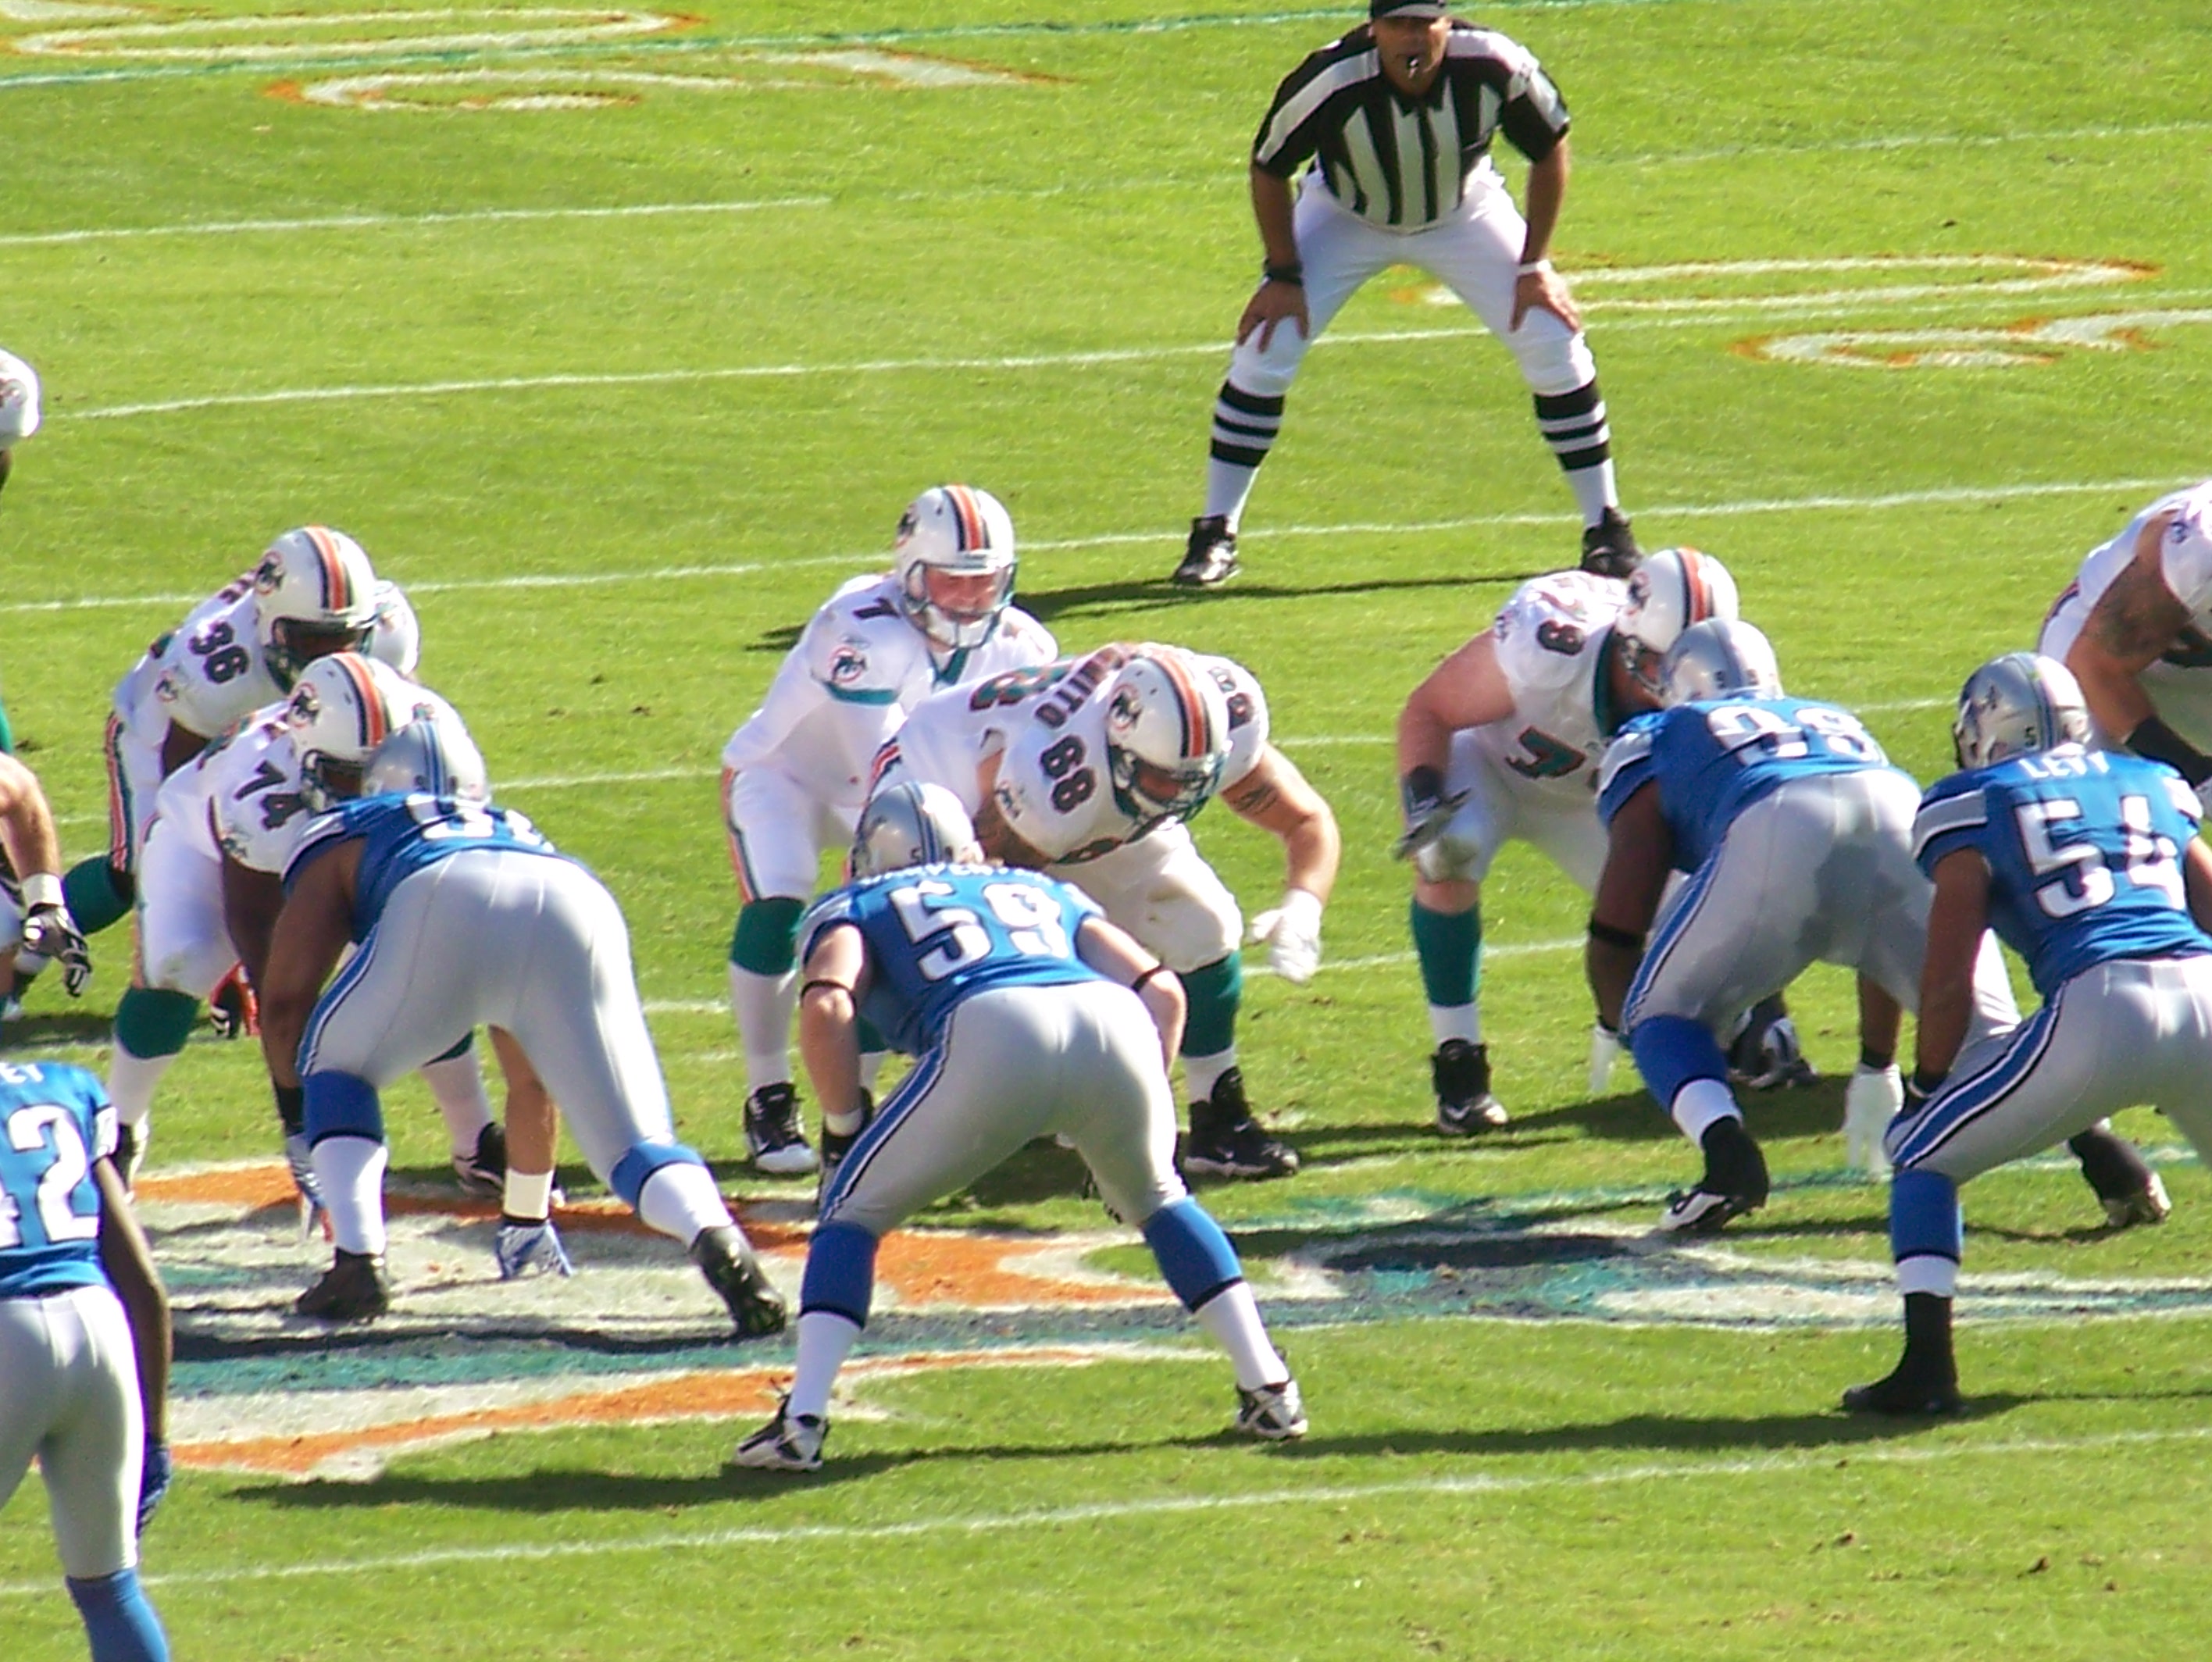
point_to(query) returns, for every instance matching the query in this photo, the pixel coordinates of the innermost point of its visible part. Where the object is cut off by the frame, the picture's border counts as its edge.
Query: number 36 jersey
(937, 934)
(1552, 637)
(2084, 854)
(1712, 760)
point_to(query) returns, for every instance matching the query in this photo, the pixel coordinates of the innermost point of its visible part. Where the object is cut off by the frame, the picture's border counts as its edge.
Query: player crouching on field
(465, 916)
(1030, 1015)
(2087, 863)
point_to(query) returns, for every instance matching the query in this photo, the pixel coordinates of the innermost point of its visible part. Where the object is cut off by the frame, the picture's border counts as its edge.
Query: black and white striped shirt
(1399, 163)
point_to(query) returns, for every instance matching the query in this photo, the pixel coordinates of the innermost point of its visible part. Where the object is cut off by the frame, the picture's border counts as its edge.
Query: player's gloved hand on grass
(1871, 1100)
(521, 1247)
(1292, 932)
(300, 1159)
(1604, 1050)
(1428, 811)
(49, 931)
(155, 1471)
(233, 1011)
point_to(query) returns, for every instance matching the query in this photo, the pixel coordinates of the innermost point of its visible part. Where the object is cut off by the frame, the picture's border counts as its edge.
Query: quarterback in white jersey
(795, 775)
(2134, 626)
(1502, 741)
(1087, 769)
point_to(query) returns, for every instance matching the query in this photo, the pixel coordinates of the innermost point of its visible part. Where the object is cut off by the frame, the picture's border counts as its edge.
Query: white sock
(763, 1005)
(131, 1082)
(825, 1338)
(1594, 491)
(1924, 1272)
(1201, 1073)
(1450, 1022)
(458, 1083)
(1699, 1105)
(1232, 1316)
(1227, 485)
(527, 1195)
(681, 1199)
(351, 1170)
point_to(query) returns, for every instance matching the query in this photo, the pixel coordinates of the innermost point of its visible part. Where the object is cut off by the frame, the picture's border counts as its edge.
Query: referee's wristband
(1294, 274)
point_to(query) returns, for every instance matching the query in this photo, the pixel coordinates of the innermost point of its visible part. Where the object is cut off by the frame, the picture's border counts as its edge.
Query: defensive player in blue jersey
(84, 1347)
(2087, 863)
(1029, 1015)
(465, 915)
(1795, 831)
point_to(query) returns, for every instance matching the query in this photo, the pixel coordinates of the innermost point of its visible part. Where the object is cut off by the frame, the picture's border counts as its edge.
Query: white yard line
(1803, 1463)
(239, 227)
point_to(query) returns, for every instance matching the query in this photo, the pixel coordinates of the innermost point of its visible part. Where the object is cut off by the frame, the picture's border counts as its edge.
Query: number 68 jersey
(1552, 637)
(2083, 849)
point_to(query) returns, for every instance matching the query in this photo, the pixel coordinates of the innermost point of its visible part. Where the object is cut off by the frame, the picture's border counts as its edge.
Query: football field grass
(620, 338)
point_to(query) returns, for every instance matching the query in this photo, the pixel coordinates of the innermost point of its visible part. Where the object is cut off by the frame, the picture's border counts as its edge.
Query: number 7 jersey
(2083, 849)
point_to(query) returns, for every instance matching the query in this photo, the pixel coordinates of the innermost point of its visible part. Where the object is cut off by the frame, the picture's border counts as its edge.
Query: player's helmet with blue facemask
(431, 753)
(911, 823)
(1720, 658)
(2015, 705)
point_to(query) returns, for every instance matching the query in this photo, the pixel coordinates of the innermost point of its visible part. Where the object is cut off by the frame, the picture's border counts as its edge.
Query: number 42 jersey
(55, 1121)
(2083, 849)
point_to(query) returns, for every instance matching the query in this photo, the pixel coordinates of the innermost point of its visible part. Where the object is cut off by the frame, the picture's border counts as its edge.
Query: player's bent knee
(342, 1105)
(1194, 1254)
(841, 1273)
(154, 1021)
(1672, 1050)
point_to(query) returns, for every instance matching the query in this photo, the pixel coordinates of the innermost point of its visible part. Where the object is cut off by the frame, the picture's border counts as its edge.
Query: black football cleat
(1735, 1183)
(354, 1288)
(482, 1175)
(1209, 559)
(1907, 1392)
(1226, 1141)
(1609, 547)
(725, 1257)
(773, 1137)
(1461, 1073)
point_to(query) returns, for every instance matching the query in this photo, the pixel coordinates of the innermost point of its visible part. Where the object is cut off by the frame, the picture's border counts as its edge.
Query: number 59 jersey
(2083, 849)
(55, 1121)
(1712, 760)
(1552, 637)
(938, 934)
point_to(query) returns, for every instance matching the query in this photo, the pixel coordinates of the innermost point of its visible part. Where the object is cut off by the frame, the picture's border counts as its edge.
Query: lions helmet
(955, 564)
(1167, 732)
(431, 753)
(342, 706)
(2016, 705)
(1720, 657)
(395, 636)
(314, 592)
(911, 823)
(1672, 590)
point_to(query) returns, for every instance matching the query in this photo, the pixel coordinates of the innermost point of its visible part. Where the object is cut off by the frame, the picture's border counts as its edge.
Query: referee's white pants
(1080, 1060)
(1476, 252)
(525, 942)
(69, 1395)
(184, 939)
(2134, 1031)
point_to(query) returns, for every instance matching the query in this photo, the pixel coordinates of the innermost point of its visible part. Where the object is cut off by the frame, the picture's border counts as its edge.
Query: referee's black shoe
(1609, 547)
(1209, 559)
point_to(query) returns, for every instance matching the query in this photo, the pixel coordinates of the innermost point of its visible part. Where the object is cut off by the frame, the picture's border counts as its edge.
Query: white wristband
(1301, 909)
(1528, 267)
(41, 888)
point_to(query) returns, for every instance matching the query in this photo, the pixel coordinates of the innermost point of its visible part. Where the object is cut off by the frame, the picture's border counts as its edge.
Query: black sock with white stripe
(1244, 429)
(1574, 425)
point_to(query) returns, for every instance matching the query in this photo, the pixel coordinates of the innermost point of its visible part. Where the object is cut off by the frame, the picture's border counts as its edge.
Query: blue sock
(1670, 1051)
(119, 1621)
(1924, 1218)
(841, 1273)
(1194, 1254)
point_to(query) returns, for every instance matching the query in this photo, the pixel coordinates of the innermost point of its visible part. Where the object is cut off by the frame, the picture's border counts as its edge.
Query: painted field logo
(636, 1336)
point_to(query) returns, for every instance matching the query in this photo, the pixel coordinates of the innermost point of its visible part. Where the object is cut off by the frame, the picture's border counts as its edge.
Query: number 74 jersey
(2084, 854)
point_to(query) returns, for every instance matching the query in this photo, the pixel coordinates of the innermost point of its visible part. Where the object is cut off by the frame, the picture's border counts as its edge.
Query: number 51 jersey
(2083, 849)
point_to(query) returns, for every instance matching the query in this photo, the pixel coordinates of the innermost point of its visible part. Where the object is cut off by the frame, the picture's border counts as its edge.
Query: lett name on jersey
(1712, 760)
(404, 834)
(937, 934)
(55, 1121)
(2083, 848)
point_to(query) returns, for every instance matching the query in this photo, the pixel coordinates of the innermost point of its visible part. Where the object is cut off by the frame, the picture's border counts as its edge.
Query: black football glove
(49, 931)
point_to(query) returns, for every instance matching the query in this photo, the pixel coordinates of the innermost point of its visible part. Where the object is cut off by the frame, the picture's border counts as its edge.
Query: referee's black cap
(1405, 9)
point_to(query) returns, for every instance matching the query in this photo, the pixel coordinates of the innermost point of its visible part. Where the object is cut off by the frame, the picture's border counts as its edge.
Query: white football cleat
(789, 1442)
(1274, 1412)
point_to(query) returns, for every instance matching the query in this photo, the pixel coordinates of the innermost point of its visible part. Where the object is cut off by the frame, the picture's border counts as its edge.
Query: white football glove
(1605, 1049)
(1870, 1103)
(1292, 932)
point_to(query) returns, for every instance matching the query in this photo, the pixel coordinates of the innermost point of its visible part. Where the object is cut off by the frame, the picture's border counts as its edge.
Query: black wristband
(1876, 1062)
(2153, 738)
(1294, 274)
(1926, 1084)
(834, 986)
(1624, 939)
(292, 1108)
(1148, 978)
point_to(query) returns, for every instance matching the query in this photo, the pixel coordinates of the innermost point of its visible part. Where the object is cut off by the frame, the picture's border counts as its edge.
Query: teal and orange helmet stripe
(973, 530)
(375, 720)
(1199, 739)
(339, 598)
(1698, 602)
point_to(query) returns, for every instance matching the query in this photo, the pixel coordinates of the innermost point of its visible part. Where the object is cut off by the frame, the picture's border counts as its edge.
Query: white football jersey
(1553, 635)
(2178, 684)
(19, 400)
(849, 683)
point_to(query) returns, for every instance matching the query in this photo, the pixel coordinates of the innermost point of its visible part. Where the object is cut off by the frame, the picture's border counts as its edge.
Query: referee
(1396, 118)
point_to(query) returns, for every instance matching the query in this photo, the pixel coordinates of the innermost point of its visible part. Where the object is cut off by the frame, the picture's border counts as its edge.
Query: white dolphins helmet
(395, 634)
(1167, 732)
(1720, 657)
(955, 564)
(1672, 590)
(2016, 705)
(19, 400)
(911, 823)
(342, 706)
(314, 592)
(431, 753)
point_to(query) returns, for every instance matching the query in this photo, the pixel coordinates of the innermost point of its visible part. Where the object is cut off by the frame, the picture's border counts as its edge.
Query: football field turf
(620, 338)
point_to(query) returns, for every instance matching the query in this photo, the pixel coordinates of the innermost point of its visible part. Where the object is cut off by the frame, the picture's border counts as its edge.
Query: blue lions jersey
(2084, 851)
(936, 934)
(1712, 760)
(405, 834)
(55, 1121)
